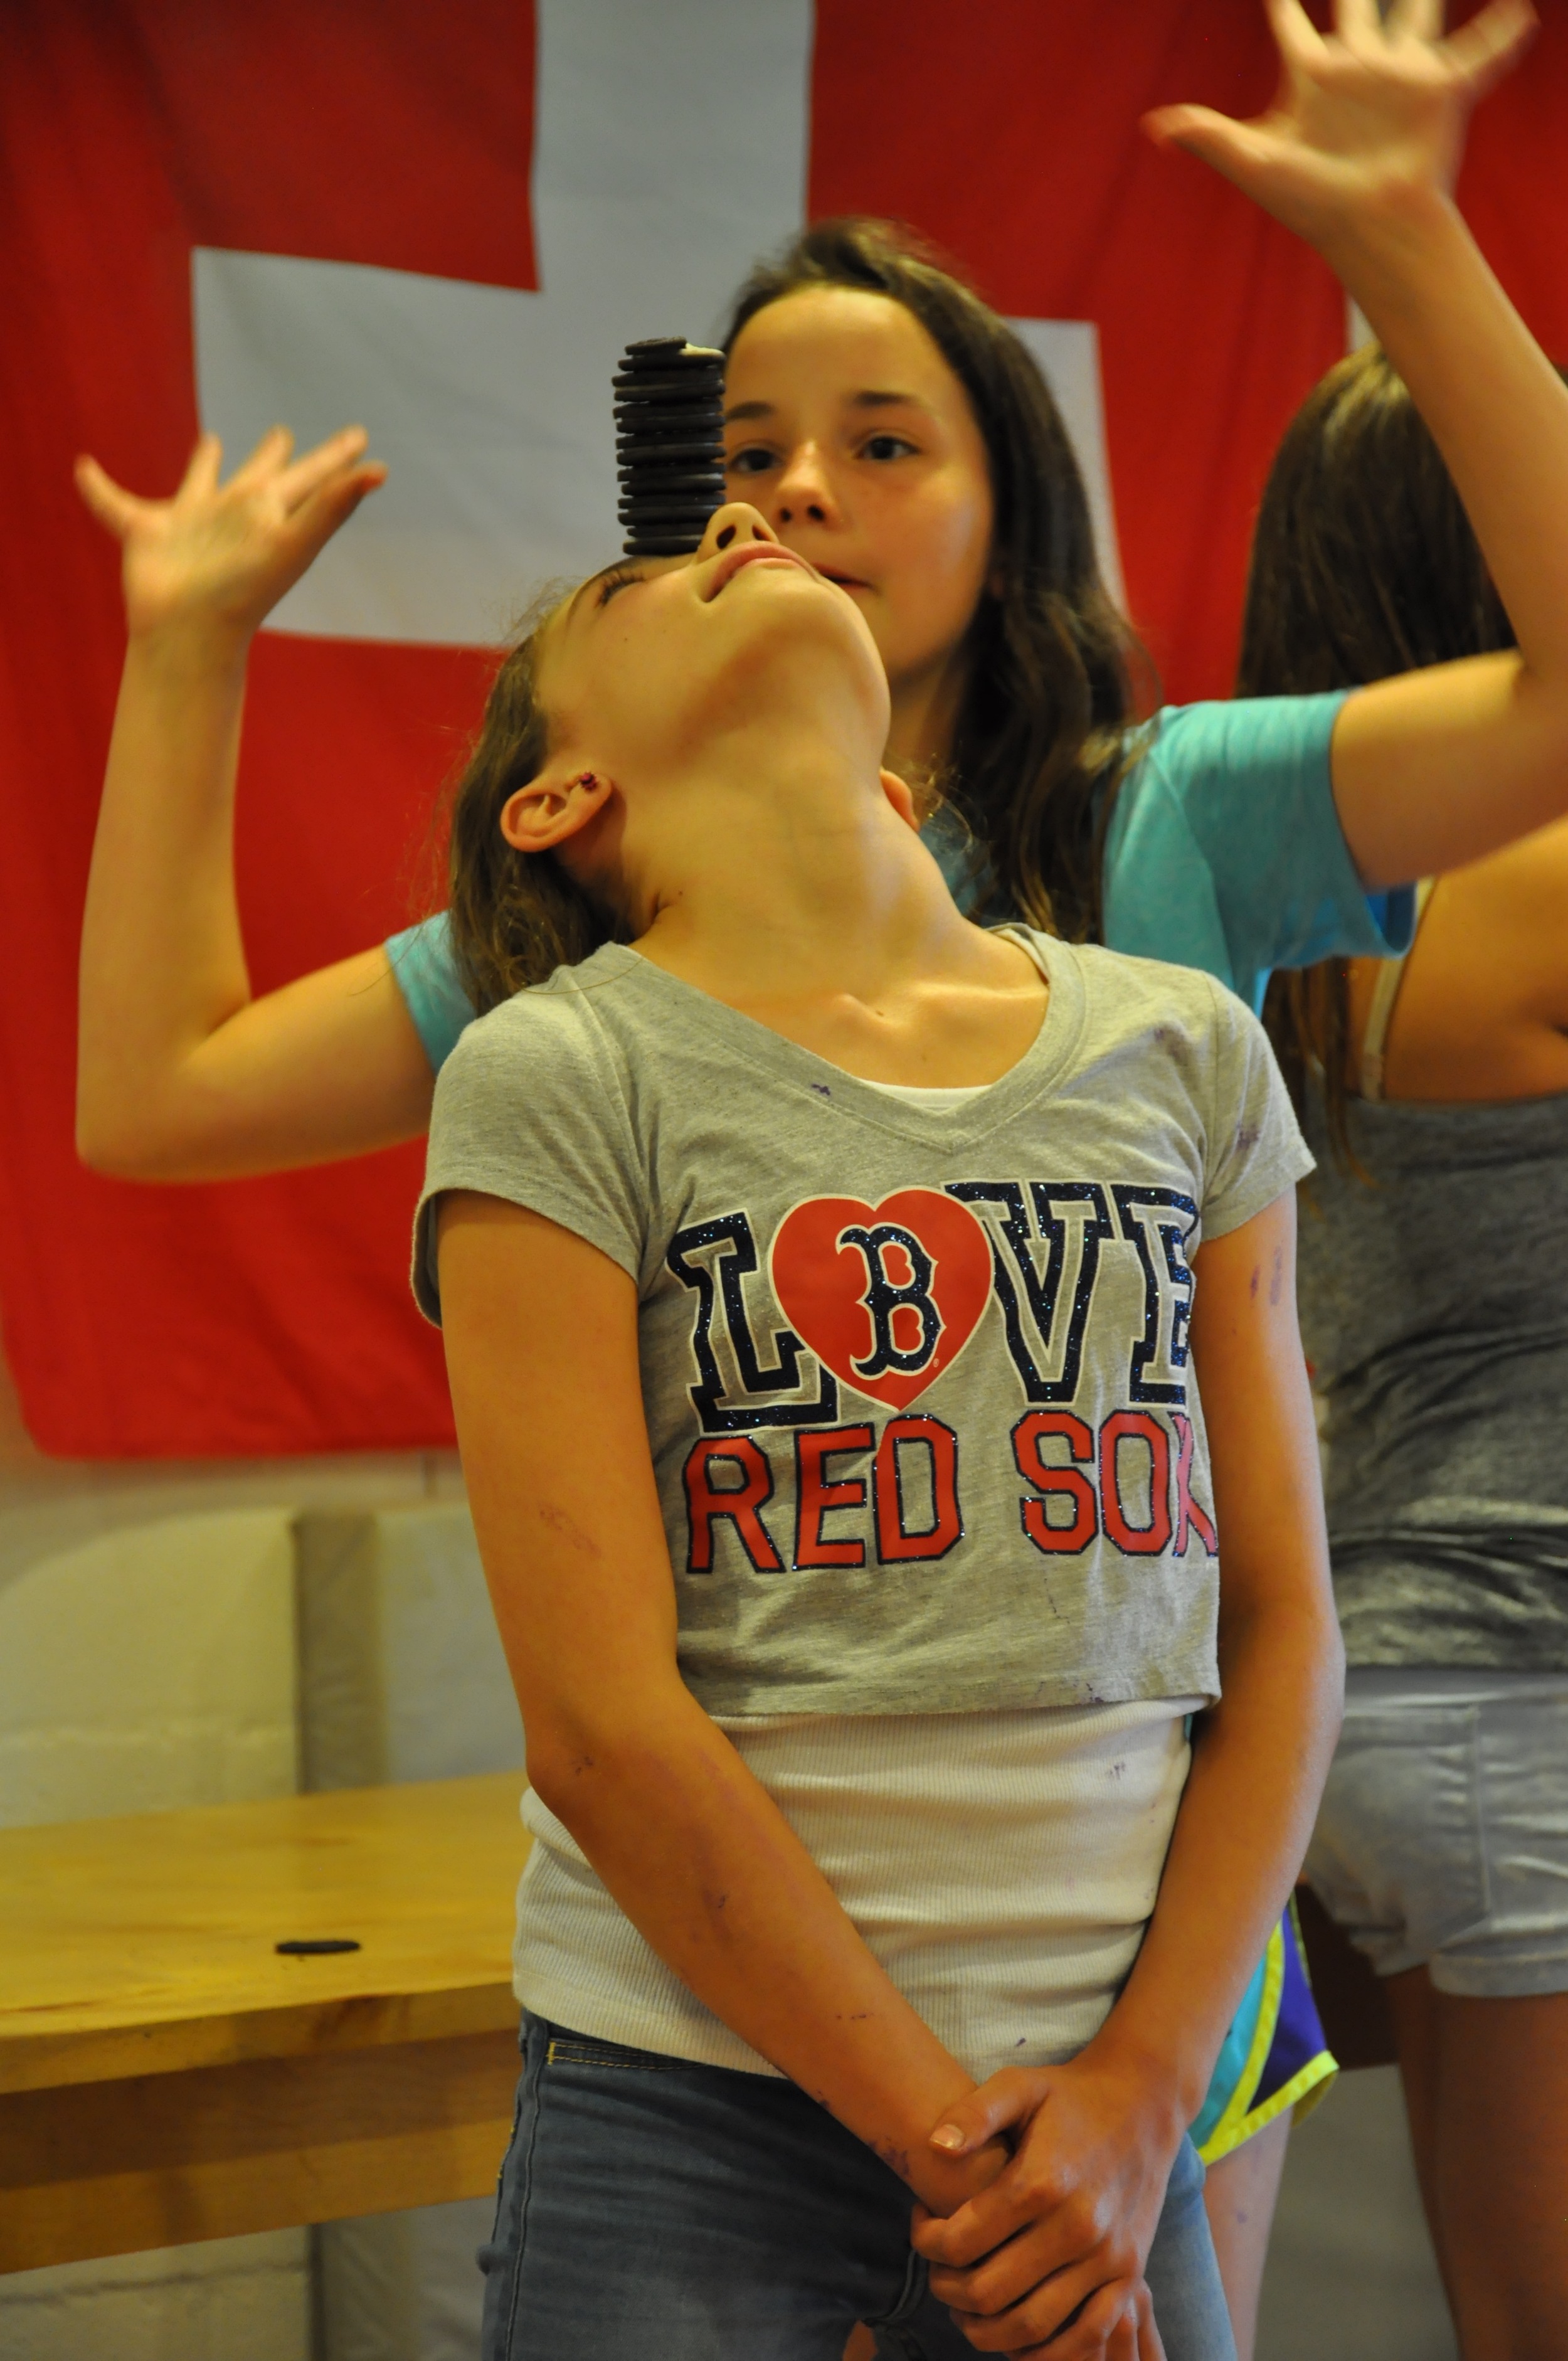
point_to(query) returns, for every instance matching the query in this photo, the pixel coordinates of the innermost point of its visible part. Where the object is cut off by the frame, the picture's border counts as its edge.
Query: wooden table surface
(165, 2075)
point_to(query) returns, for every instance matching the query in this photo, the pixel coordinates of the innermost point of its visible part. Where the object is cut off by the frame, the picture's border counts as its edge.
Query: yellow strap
(1384, 993)
(1306, 2087)
(1304, 2091)
(1227, 2132)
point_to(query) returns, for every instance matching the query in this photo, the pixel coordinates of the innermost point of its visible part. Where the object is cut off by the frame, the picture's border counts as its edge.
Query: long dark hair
(1364, 564)
(1041, 733)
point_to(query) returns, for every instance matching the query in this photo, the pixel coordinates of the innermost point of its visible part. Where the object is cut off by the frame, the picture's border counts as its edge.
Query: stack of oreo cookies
(669, 444)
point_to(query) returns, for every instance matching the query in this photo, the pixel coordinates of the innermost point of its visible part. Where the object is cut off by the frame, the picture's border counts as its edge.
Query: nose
(736, 520)
(803, 493)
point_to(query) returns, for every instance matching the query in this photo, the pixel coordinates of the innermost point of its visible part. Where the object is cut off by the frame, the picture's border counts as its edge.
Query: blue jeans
(652, 2210)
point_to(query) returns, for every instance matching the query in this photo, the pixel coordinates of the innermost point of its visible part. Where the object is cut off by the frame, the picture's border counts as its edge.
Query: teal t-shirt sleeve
(426, 973)
(1225, 850)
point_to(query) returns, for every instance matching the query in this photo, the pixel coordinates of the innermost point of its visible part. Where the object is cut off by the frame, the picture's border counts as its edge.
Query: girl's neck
(811, 906)
(925, 706)
(793, 875)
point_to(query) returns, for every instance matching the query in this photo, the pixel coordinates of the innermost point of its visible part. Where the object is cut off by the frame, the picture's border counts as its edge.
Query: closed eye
(620, 578)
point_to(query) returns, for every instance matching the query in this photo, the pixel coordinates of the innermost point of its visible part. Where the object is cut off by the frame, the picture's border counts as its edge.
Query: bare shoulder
(1500, 924)
(1483, 1009)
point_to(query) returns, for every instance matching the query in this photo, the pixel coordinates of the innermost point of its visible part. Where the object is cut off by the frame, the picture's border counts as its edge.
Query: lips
(754, 553)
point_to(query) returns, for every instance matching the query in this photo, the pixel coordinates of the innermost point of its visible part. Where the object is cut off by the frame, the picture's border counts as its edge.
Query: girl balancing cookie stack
(861, 1328)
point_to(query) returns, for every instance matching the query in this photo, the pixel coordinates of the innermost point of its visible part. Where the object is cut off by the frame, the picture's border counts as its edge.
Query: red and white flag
(446, 222)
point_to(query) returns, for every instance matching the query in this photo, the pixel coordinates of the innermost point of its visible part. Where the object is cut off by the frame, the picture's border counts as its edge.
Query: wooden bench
(167, 2074)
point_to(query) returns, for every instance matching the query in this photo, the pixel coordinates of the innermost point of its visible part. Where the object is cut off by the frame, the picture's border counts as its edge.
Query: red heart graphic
(885, 1297)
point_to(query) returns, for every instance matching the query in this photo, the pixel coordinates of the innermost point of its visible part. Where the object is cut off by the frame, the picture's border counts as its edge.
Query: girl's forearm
(710, 1872)
(182, 1074)
(1496, 406)
(162, 958)
(1258, 1763)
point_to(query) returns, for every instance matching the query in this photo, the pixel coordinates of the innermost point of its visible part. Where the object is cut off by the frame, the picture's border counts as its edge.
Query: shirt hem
(1262, 1190)
(822, 1702)
(501, 1181)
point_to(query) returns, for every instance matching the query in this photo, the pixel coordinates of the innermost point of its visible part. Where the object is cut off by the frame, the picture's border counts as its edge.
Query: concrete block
(150, 1668)
(403, 2287)
(401, 1677)
(401, 1674)
(144, 1669)
(231, 2298)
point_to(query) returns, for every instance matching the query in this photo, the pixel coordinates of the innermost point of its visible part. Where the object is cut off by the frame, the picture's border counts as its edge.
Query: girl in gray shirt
(825, 1349)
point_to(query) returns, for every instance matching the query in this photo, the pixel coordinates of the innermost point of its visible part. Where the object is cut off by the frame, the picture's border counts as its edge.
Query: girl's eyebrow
(873, 397)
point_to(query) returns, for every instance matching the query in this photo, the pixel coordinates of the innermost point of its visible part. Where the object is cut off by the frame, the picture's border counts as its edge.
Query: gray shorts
(1443, 1837)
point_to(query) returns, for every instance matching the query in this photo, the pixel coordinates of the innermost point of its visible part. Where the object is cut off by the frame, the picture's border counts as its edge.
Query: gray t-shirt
(918, 1388)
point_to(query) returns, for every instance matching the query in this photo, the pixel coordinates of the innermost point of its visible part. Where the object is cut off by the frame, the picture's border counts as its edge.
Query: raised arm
(1259, 1760)
(182, 1074)
(1358, 155)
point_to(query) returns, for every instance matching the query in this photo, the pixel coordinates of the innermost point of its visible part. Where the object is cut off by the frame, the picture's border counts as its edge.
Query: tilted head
(657, 689)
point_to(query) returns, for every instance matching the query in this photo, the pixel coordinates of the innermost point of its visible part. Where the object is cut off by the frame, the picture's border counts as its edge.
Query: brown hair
(1364, 564)
(1039, 743)
(516, 916)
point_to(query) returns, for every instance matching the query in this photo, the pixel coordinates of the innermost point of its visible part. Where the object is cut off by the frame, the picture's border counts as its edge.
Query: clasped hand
(1048, 2259)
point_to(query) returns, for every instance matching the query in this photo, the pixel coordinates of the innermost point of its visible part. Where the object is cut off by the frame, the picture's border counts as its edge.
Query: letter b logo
(886, 1296)
(906, 1322)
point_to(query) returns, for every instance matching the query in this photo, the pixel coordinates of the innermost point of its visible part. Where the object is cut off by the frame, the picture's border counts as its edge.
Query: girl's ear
(555, 806)
(901, 795)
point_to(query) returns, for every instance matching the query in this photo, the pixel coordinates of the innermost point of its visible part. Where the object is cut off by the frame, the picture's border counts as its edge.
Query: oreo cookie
(669, 445)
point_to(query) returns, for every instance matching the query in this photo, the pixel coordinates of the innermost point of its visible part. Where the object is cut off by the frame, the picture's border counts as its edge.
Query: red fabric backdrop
(274, 1316)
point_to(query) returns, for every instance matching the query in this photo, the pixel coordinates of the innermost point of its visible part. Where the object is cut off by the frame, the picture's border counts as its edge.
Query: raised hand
(221, 555)
(1376, 107)
(1051, 2257)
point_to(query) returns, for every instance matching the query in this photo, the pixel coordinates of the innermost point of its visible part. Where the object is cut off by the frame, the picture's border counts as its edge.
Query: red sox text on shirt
(885, 1299)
